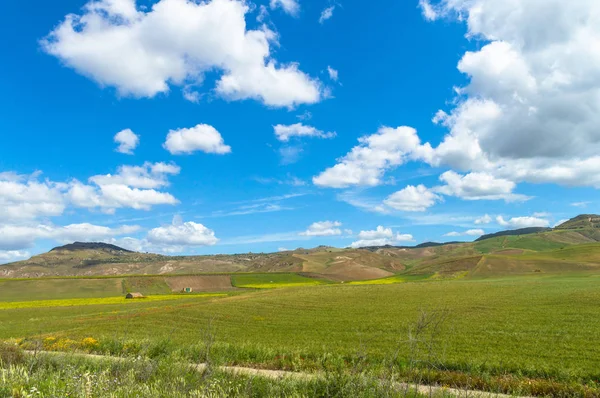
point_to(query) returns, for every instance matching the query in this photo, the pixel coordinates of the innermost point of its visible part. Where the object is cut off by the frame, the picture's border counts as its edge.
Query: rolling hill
(574, 246)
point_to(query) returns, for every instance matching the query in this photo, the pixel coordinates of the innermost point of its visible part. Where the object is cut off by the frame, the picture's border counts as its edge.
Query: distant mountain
(78, 246)
(581, 221)
(434, 244)
(512, 232)
(419, 246)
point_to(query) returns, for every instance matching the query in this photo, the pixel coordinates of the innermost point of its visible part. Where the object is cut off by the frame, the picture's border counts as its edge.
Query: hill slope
(572, 247)
(521, 231)
(76, 246)
(582, 221)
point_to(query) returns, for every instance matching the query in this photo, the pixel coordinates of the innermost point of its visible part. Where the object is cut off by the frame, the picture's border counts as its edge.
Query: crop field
(97, 301)
(271, 281)
(535, 326)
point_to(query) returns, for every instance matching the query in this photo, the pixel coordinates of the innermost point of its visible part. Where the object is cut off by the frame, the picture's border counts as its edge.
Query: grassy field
(98, 301)
(42, 289)
(270, 281)
(536, 327)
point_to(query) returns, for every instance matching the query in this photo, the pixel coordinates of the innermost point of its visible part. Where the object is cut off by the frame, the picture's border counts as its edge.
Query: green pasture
(539, 326)
(274, 280)
(47, 289)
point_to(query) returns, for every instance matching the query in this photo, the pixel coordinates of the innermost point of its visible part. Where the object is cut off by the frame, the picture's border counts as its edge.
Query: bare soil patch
(355, 272)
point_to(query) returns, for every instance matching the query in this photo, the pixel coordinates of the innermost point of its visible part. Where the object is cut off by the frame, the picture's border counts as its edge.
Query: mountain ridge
(79, 246)
(521, 250)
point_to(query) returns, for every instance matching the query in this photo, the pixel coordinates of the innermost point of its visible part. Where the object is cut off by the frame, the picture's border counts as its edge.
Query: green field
(274, 280)
(46, 289)
(536, 326)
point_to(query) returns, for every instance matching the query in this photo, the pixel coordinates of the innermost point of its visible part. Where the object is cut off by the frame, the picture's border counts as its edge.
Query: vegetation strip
(98, 301)
(282, 374)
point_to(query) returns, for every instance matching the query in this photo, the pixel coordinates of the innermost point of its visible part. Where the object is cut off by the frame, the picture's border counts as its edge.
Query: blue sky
(258, 126)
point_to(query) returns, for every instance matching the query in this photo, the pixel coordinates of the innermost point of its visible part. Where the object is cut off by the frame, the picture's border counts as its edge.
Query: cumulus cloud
(478, 186)
(17, 237)
(367, 162)
(26, 197)
(291, 7)
(149, 175)
(326, 14)
(182, 234)
(522, 222)
(141, 52)
(380, 237)
(202, 137)
(285, 132)
(323, 228)
(132, 187)
(532, 106)
(127, 141)
(412, 198)
(470, 232)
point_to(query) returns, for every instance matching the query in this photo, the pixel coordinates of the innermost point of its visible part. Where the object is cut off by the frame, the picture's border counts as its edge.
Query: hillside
(77, 246)
(563, 249)
(581, 221)
(99, 259)
(511, 232)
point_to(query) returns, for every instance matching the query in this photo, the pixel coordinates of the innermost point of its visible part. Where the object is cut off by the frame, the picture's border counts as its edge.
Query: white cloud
(13, 255)
(17, 237)
(429, 13)
(291, 7)
(132, 187)
(149, 175)
(127, 141)
(323, 228)
(581, 204)
(478, 186)
(25, 197)
(333, 74)
(285, 132)
(522, 222)
(531, 109)
(326, 14)
(380, 237)
(142, 51)
(486, 219)
(252, 209)
(282, 249)
(541, 214)
(367, 162)
(470, 232)
(412, 198)
(202, 137)
(179, 235)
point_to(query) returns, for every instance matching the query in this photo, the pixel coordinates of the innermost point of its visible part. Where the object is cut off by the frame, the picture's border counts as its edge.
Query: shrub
(10, 354)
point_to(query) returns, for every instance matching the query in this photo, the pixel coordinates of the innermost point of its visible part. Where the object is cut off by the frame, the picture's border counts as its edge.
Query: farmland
(512, 313)
(539, 327)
